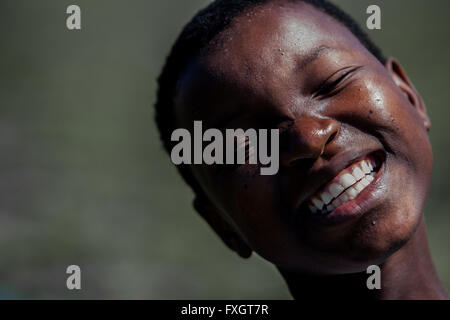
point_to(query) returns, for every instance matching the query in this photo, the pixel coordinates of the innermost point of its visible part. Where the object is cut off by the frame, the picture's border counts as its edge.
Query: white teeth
(336, 203)
(359, 186)
(343, 198)
(365, 182)
(357, 173)
(365, 167)
(326, 197)
(347, 180)
(347, 188)
(317, 203)
(352, 193)
(335, 189)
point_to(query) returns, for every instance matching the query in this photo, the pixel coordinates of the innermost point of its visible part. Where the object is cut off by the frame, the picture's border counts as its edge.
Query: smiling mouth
(346, 186)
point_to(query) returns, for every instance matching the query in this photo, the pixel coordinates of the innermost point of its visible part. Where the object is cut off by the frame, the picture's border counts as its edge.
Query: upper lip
(320, 177)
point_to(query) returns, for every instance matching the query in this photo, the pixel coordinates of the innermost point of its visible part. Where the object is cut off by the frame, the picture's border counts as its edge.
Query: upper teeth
(345, 187)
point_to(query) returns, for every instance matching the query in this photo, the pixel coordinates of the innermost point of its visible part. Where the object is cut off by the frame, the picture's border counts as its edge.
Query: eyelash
(326, 89)
(248, 150)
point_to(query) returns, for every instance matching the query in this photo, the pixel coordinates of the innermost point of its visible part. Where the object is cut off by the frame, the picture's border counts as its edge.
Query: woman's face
(292, 67)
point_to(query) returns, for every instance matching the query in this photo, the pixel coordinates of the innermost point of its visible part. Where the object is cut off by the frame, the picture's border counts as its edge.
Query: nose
(307, 138)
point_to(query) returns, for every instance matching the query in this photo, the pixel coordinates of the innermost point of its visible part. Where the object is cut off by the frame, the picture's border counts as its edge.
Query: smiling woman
(355, 158)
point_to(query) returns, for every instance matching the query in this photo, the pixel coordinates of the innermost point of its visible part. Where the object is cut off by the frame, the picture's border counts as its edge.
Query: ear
(401, 80)
(222, 227)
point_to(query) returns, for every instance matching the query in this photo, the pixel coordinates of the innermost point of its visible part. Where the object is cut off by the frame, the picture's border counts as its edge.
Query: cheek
(409, 164)
(254, 204)
(386, 113)
(404, 131)
(399, 125)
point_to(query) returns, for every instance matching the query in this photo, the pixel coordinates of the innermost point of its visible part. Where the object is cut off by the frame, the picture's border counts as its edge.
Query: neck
(407, 274)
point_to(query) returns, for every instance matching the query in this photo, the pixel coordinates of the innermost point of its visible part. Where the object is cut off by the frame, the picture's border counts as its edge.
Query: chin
(377, 237)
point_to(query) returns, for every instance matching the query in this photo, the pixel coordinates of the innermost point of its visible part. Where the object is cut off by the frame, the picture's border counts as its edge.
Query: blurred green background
(84, 179)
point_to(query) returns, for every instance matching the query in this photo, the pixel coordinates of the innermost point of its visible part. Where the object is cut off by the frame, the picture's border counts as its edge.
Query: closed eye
(241, 145)
(331, 86)
(248, 149)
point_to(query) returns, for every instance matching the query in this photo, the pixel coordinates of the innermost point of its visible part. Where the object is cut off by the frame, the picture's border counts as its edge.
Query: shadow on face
(289, 66)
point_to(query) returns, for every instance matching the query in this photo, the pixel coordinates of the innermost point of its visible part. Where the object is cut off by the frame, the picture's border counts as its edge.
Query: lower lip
(352, 209)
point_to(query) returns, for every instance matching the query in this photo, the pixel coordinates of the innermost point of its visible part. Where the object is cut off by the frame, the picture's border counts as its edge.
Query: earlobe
(222, 228)
(402, 81)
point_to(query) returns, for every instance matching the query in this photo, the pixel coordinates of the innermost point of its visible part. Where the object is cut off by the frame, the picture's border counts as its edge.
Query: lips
(345, 186)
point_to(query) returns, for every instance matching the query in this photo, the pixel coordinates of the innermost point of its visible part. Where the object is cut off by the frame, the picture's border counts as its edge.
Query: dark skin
(269, 70)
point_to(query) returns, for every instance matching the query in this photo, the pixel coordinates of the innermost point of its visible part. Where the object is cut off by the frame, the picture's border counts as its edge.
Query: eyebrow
(313, 55)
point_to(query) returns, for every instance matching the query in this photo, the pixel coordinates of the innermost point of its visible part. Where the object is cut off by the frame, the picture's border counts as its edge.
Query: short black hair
(197, 34)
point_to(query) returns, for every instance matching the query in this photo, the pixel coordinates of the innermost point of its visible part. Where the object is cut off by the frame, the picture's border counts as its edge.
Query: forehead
(277, 29)
(262, 50)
